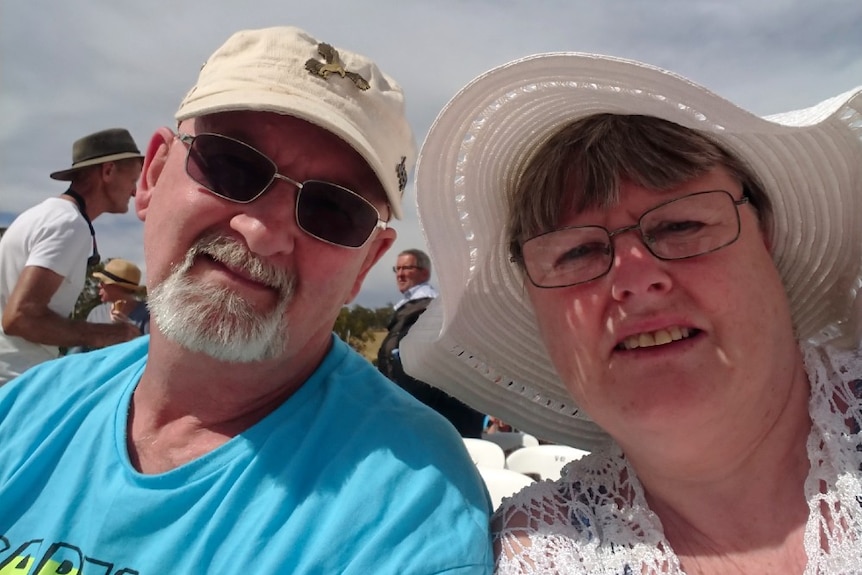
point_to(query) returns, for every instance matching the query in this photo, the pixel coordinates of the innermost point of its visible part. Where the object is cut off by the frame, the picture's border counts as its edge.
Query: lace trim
(595, 518)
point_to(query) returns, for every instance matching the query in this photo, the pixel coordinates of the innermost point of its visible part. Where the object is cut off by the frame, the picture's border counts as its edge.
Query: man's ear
(108, 169)
(379, 246)
(154, 163)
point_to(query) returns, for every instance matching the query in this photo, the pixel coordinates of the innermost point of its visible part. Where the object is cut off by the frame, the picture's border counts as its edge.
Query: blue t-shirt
(349, 475)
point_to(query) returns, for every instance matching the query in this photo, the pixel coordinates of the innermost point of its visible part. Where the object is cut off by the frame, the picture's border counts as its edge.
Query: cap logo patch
(401, 172)
(333, 64)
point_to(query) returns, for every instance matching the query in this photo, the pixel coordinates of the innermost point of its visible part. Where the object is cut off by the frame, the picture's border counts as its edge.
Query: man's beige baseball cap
(287, 71)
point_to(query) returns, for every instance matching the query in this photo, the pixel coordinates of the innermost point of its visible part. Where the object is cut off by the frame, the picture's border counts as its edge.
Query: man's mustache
(233, 253)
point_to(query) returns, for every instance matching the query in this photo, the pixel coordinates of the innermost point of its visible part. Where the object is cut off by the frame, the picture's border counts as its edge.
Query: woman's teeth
(658, 337)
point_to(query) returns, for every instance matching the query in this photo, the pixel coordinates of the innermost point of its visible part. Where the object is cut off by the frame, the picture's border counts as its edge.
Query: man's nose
(268, 224)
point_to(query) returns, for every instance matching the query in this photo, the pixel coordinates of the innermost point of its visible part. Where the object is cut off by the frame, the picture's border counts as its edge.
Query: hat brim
(66, 175)
(479, 341)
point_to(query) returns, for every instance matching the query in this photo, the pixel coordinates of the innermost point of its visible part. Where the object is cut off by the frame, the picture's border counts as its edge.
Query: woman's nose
(635, 270)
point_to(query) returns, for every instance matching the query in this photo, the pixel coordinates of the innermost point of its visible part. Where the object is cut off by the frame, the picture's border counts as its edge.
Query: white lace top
(596, 520)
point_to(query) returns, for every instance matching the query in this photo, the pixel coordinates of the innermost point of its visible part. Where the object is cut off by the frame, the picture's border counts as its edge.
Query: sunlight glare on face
(635, 251)
(215, 320)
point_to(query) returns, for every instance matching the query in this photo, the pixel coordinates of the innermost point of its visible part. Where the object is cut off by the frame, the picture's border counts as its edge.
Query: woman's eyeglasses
(685, 227)
(237, 172)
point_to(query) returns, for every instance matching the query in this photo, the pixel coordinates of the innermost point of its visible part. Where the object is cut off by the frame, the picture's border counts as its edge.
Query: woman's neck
(741, 497)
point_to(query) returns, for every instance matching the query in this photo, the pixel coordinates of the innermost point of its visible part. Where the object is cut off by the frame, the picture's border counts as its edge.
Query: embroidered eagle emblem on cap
(401, 172)
(333, 65)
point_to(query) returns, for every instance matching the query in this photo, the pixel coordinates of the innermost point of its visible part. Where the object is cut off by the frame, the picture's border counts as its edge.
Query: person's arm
(28, 316)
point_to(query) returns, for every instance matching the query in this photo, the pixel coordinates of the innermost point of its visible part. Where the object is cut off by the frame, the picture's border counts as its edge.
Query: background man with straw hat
(45, 253)
(122, 296)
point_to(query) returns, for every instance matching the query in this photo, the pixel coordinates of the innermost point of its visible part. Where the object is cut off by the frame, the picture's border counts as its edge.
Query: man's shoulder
(53, 207)
(421, 291)
(405, 436)
(46, 219)
(381, 402)
(361, 383)
(76, 374)
(413, 306)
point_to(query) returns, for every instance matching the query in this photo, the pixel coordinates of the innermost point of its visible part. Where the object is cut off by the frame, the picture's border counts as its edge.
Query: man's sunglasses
(235, 171)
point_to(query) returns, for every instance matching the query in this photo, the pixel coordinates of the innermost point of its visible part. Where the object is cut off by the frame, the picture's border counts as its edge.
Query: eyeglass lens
(335, 214)
(238, 172)
(682, 228)
(229, 168)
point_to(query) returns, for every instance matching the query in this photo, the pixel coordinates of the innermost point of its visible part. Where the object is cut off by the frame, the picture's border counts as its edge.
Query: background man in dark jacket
(412, 273)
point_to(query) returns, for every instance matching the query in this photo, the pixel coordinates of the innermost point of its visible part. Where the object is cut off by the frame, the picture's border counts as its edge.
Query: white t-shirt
(100, 314)
(52, 235)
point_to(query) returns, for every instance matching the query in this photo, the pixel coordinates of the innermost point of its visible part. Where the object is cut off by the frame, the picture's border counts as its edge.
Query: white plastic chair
(502, 483)
(511, 440)
(485, 453)
(543, 461)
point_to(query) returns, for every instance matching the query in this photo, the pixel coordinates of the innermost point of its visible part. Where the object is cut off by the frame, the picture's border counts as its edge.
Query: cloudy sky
(71, 68)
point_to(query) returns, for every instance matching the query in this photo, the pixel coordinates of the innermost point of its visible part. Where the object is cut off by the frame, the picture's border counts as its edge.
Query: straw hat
(109, 145)
(123, 273)
(479, 340)
(285, 70)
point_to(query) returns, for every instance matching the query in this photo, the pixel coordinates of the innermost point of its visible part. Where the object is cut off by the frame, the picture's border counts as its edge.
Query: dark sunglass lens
(228, 168)
(334, 214)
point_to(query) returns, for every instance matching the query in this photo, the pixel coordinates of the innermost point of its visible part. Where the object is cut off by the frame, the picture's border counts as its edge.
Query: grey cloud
(69, 68)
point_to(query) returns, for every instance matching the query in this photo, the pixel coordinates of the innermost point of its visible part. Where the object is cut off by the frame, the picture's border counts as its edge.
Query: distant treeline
(356, 324)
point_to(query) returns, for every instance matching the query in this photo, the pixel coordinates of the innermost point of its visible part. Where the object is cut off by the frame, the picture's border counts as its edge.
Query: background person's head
(119, 280)
(289, 168)
(105, 169)
(412, 268)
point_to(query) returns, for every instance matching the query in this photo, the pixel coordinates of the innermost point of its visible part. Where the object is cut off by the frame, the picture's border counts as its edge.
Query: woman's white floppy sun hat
(479, 340)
